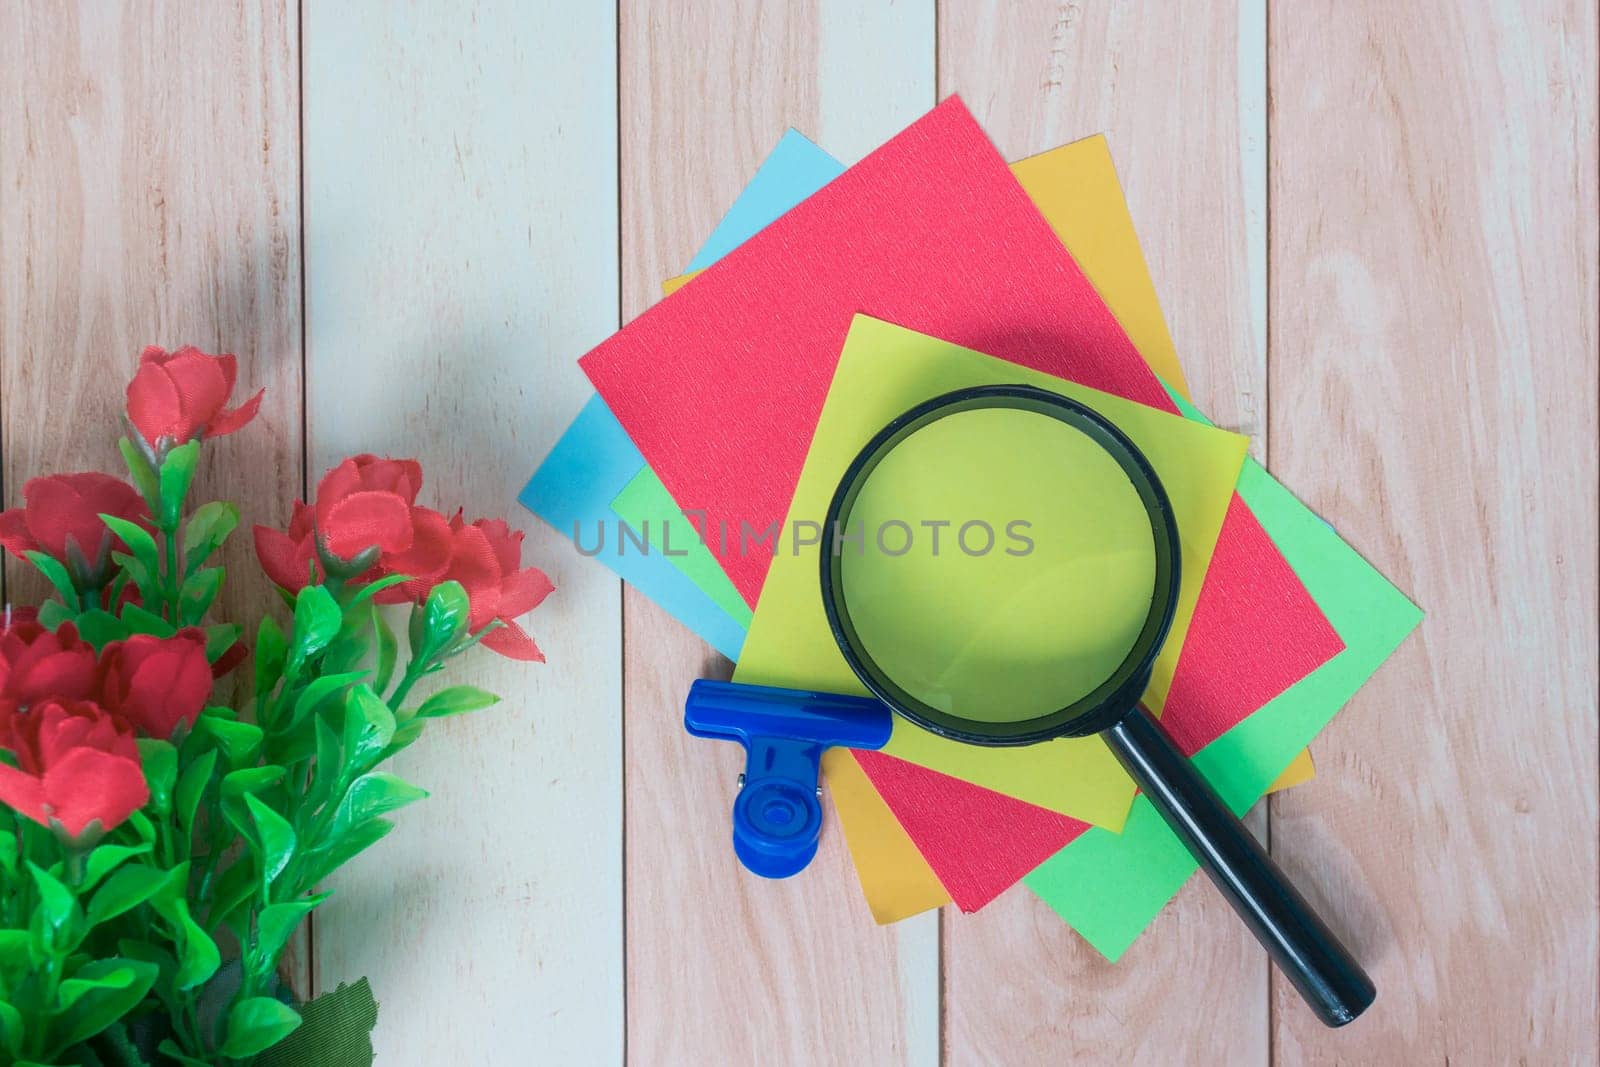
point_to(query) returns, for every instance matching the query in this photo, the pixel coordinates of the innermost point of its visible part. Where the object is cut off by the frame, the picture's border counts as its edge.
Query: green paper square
(1110, 887)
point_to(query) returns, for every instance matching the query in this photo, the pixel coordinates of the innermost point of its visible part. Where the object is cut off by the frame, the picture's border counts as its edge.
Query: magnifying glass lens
(1005, 565)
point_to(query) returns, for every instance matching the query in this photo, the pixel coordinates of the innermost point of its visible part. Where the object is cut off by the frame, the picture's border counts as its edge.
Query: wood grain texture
(1433, 395)
(794, 971)
(461, 252)
(1165, 85)
(149, 194)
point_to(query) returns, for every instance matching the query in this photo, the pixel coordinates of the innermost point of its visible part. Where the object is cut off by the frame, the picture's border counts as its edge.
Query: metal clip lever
(777, 816)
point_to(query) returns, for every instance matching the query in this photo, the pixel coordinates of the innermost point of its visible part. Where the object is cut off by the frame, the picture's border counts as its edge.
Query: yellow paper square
(884, 370)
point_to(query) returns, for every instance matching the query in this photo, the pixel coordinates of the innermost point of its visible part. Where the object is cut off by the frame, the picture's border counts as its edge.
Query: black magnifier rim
(1113, 698)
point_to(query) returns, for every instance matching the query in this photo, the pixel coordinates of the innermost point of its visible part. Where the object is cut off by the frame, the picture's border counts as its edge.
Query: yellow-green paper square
(883, 371)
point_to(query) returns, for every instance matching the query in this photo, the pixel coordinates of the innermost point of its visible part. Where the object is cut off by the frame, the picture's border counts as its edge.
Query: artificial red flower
(365, 508)
(486, 558)
(36, 664)
(365, 502)
(77, 764)
(62, 513)
(156, 682)
(287, 556)
(184, 394)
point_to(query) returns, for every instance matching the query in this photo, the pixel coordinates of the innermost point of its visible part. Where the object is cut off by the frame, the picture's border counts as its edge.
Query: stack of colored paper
(828, 301)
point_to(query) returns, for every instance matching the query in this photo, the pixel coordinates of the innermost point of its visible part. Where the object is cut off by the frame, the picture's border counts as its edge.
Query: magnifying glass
(1000, 566)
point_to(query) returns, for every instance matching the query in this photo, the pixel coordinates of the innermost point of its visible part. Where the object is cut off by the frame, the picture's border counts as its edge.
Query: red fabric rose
(184, 394)
(63, 511)
(486, 558)
(76, 764)
(287, 556)
(36, 664)
(365, 505)
(156, 682)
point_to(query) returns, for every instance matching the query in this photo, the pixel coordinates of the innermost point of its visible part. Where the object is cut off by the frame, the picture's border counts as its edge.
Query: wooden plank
(149, 194)
(1178, 91)
(461, 252)
(723, 967)
(1433, 340)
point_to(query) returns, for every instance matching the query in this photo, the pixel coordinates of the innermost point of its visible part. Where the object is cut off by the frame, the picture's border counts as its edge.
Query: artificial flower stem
(170, 584)
(74, 864)
(416, 669)
(189, 1019)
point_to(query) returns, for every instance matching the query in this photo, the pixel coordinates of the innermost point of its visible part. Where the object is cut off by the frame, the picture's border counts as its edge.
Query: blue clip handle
(777, 816)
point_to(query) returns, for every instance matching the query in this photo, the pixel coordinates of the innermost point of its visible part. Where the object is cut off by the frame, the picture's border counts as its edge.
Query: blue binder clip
(777, 815)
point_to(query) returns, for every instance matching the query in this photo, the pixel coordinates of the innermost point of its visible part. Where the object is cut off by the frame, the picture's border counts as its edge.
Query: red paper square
(721, 386)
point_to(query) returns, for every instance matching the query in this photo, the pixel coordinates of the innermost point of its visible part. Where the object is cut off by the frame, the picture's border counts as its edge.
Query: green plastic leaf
(439, 621)
(337, 1032)
(111, 989)
(125, 890)
(198, 957)
(140, 621)
(368, 727)
(234, 888)
(11, 1028)
(142, 826)
(198, 592)
(221, 636)
(445, 612)
(176, 475)
(320, 689)
(251, 780)
(372, 589)
(142, 473)
(256, 1024)
(387, 651)
(372, 795)
(345, 652)
(15, 961)
(455, 701)
(99, 627)
(57, 576)
(205, 532)
(9, 852)
(191, 787)
(341, 850)
(173, 891)
(160, 762)
(277, 923)
(317, 619)
(90, 978)
(146, 580)
(275, 837)
(57, 905)
(295, 744)
(52, 613)
(138, 540)
(105, 859)
(329, 765)
(404, 735)
(239, 741)
(271, 650)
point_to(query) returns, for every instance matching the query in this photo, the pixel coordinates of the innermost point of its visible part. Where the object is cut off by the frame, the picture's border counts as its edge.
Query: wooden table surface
(1373, 227)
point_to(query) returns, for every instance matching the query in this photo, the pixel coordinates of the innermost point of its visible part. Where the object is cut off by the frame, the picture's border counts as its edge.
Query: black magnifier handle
(1302, 946)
